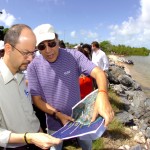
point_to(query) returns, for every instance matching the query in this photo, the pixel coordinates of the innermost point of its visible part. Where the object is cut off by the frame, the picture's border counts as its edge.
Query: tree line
(123, 50)
(106, 46)
(2, 32)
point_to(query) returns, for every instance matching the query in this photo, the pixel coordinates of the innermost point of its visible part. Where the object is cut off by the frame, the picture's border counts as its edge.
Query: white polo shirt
(16, 111)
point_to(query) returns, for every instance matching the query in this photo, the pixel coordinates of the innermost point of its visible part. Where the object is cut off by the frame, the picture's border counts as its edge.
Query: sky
(118, 21)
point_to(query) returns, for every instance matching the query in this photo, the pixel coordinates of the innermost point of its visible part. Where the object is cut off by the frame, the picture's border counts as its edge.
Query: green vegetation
(98, 144)
(123, 50)
(2, 32)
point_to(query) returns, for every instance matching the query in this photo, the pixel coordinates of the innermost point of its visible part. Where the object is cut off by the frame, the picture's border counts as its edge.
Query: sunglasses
(42, 46)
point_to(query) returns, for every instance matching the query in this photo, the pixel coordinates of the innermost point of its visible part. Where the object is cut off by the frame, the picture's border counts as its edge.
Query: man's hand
(42, 140)
(64, 118)
(103, 108)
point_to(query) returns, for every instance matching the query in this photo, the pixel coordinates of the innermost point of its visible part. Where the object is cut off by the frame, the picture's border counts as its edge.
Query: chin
(51, 60)
(23, 68)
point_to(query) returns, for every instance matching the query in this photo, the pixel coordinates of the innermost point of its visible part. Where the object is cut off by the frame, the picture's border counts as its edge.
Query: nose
(30, 57)
(47, 49)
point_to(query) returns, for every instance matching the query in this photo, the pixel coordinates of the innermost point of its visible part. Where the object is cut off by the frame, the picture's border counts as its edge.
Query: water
(140, 71)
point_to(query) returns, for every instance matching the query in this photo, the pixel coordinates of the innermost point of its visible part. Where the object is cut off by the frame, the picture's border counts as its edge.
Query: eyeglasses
(26, 54)
(42, 46)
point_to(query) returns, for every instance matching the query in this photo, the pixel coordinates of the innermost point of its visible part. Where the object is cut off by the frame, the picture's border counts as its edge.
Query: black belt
(26, 147)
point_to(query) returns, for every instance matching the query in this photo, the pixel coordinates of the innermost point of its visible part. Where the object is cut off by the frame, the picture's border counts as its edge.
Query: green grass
(115, 101)
(98, 144)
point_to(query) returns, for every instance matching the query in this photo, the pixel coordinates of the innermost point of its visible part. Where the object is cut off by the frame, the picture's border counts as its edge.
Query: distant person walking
(99, 58)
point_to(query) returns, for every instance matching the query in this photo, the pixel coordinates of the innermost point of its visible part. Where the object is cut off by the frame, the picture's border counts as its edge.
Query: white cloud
(134, 31)
(6, 18)
(89, 34)
(73, 34)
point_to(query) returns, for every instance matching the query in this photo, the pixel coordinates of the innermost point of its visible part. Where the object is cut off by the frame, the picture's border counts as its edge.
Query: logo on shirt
(67, 72)
(26, 93)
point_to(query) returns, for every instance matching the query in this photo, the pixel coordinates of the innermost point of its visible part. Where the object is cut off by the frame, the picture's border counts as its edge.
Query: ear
(8, 48)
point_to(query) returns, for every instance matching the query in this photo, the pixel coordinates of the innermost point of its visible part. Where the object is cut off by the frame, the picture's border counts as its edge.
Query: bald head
(18, 32)
(20, 42)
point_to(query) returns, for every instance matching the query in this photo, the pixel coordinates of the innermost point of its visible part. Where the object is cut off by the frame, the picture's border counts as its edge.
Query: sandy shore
(115, 58)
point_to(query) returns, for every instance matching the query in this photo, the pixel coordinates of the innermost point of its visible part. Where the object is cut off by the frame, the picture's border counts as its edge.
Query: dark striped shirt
(58, 82)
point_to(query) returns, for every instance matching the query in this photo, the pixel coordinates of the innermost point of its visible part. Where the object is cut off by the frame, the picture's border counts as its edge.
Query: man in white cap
(1, 48)
(54, 82)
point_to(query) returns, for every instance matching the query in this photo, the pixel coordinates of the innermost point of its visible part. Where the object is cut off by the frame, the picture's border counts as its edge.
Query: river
(140, 71)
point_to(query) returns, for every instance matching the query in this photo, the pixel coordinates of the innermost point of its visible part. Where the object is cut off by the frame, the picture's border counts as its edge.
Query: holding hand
(103, 108)
(63, 117)
(42, 140)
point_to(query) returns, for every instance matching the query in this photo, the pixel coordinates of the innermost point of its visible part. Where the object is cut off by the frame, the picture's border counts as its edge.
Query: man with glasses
(19, 127)
(54, 82)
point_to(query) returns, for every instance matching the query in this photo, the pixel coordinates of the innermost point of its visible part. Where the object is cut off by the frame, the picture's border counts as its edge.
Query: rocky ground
(135, 137)
(122, 141)
(131, 138)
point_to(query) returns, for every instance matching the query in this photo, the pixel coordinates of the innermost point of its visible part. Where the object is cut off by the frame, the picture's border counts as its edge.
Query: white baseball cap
(44, 32)
(1, 45)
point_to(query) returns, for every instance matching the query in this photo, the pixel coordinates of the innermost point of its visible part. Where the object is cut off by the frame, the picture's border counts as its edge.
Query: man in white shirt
(99, 57)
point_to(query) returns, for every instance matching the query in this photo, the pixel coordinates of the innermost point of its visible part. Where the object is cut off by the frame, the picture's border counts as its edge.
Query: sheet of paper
(82, 127)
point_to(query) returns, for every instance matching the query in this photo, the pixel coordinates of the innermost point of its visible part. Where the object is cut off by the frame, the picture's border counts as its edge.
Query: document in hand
(82, 127)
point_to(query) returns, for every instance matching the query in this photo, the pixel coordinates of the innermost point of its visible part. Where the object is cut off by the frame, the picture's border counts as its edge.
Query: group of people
(99, 58)
(53, 87)
(95, 54)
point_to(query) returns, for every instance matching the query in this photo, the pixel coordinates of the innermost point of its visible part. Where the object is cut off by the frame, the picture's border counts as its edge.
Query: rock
(137, 147)
(124, 147)
(124, 117)
(139, 138)
(135, 128)
(125, 80)
(114, 72)
(139, 98)
(148, 144)
(147, 132)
